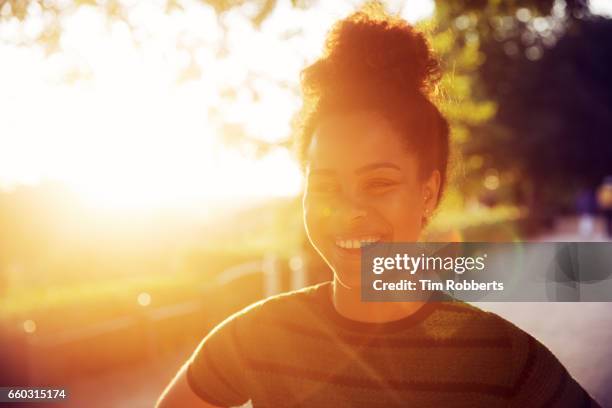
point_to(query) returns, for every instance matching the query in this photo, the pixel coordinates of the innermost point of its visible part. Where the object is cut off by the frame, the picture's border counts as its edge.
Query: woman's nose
(353, 209)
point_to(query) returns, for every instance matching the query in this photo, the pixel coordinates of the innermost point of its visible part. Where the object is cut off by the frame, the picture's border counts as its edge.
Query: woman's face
(362, 185)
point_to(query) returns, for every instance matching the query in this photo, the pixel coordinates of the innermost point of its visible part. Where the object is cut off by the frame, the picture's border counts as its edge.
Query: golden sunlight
(128, 119)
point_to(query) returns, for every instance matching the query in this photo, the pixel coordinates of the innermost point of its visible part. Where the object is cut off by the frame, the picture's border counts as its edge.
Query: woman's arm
(178, 394)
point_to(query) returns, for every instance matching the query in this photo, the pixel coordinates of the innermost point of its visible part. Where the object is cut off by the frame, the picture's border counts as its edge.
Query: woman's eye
(378, 185)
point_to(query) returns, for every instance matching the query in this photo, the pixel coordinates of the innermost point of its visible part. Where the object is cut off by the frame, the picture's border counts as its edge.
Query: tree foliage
(526, 87)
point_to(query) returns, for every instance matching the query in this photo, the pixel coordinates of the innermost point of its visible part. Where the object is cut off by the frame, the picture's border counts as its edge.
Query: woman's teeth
(356, 243)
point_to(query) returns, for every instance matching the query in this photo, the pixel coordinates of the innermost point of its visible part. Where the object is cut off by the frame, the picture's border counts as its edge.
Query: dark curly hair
(376, 62)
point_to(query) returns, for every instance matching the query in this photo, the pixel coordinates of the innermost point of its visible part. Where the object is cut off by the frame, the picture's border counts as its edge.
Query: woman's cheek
(401, 211)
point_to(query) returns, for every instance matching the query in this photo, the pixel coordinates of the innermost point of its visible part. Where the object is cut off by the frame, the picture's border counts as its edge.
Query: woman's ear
(431, 190)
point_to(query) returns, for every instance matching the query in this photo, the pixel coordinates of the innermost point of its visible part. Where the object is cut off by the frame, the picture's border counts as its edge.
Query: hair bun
(379, 63)
(371, 47)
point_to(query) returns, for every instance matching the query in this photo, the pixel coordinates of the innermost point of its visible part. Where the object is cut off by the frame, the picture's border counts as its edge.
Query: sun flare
(132, 117)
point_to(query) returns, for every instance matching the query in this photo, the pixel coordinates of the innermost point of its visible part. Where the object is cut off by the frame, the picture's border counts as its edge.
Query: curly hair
(377, 62)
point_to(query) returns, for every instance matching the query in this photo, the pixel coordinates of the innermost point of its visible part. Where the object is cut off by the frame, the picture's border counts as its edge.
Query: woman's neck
(348, 303)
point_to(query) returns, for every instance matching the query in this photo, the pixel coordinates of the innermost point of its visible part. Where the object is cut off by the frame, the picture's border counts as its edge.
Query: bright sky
(601, 7)
(129, 134)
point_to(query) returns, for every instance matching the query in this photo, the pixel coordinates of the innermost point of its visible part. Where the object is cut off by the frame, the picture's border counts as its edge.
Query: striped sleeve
(215, 371)
(542, 380)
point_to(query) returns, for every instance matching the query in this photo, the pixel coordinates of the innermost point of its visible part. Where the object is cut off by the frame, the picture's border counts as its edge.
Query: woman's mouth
(354, 244)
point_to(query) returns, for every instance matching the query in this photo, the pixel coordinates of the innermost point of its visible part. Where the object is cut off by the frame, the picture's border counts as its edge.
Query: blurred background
(148, 189)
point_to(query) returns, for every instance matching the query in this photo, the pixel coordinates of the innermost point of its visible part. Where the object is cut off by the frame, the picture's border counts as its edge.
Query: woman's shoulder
(470, 321)
(450, 311)
(538, 376)
(490, 324)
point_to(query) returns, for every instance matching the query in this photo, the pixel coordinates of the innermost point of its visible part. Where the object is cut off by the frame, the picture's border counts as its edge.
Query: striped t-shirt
(296, 350)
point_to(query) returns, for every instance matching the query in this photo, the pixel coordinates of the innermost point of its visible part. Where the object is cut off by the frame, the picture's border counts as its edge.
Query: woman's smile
(349, 246)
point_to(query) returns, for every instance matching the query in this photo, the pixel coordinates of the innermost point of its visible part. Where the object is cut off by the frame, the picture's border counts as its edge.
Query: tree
(543, 64)
(513, 68)
(556, 109)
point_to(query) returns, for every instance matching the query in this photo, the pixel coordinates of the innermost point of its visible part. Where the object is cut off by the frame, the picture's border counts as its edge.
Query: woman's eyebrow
(377, 165)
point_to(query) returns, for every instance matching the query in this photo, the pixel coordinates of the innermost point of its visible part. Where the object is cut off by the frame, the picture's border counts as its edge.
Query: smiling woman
(363, 181)
(374, 150)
